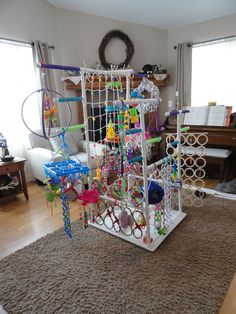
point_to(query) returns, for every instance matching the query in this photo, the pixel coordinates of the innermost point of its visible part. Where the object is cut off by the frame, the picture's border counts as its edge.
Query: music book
(208, 115)
(197, 116)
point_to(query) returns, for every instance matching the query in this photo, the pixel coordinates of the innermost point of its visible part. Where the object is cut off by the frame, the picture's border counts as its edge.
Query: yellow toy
(126, 120)
(110, 131)
(98, 172)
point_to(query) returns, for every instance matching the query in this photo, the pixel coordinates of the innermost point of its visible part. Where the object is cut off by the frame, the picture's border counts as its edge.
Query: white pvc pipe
(127, 87)
(121, 72)
(145, 172)
(105, 197)
(159, 162)
(179, 116)
(135, 101)
(86, 129)
(150, 178)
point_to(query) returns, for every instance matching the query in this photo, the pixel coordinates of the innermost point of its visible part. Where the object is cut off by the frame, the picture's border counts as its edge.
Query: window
(17, 80)
(214, 73)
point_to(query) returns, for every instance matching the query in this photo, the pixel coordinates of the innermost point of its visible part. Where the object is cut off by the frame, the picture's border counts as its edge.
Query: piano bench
(214, 156)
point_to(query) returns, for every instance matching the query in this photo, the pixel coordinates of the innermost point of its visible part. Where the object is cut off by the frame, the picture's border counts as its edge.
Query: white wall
(77, 36)
(220, 27)
(81, 35)
(28, 20)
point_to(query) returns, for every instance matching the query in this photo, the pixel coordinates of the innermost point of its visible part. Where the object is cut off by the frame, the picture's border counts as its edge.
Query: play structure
(129, 197)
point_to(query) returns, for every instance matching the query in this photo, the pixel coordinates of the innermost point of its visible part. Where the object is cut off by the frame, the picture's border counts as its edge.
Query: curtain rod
(208, 41)
(23, 42)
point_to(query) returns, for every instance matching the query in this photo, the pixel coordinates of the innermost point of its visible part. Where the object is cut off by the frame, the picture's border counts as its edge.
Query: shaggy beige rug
(98, 273)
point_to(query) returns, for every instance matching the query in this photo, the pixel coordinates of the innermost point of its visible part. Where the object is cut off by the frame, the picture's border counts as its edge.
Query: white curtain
(213, 73)
(17, 80)
(183, 74)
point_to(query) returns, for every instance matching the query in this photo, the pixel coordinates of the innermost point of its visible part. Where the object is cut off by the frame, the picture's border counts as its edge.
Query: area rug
(98, 273)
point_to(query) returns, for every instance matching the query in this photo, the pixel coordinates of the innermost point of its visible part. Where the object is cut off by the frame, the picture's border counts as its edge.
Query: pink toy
(89, 196)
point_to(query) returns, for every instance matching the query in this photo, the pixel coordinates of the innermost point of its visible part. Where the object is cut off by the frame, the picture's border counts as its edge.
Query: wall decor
(107, 38)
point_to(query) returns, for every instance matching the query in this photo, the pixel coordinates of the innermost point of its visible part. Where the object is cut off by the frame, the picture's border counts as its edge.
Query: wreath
(129, 50)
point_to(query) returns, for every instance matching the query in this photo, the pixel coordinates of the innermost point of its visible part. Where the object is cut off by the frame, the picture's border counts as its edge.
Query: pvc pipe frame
(159, 162)
(145, 172)
(84, 101)
(178, 138)
(135, 101)
(93, 71)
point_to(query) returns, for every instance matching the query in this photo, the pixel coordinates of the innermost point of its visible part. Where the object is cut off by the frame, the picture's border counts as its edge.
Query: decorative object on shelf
(153, 69)
(160, 77)
(129, 50)
(5, 152)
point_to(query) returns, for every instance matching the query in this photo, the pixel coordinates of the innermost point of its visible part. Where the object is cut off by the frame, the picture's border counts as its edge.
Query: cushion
(83, 158)
(37, 141)
(218, 152)
(210, 152)
(56, 143)
(94, 148)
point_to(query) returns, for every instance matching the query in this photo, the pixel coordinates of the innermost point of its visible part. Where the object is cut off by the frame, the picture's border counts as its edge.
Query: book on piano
(208, 115)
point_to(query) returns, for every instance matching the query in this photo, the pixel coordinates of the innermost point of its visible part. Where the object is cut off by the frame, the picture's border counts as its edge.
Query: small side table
(16, 166)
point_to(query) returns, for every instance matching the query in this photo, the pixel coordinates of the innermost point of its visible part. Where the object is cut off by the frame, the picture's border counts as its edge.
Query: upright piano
(218, 137)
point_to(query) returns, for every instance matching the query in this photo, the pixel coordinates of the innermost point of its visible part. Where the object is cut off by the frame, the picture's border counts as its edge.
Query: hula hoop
(43, 90)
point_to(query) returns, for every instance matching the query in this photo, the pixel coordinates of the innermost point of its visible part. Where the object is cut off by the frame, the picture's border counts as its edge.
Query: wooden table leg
(23, 179)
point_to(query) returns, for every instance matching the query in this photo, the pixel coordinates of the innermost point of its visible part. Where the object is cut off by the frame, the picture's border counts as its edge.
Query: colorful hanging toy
(155, 193)
(133, 115)
(110, 131)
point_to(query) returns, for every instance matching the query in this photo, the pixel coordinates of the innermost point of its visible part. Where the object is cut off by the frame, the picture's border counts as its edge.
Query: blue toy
(155, 193)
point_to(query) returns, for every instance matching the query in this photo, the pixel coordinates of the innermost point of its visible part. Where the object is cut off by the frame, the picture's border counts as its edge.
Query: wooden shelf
(16, 166)
(134, 83)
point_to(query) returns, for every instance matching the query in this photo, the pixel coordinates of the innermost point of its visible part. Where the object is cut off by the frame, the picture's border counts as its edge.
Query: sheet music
(217, 115)
(197, 116)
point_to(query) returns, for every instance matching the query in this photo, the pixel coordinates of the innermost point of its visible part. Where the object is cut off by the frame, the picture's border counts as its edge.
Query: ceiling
(158, 13)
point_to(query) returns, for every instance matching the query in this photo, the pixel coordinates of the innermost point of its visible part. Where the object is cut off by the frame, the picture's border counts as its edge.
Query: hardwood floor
(22, 222)
(229, 304)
